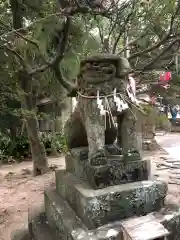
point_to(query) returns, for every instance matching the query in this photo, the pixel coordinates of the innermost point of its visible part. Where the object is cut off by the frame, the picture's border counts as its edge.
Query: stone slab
(63, 219)
(116, 172)
(101, 206)
(38, 225)
(42, 231)
(136, 228)
(56, 207)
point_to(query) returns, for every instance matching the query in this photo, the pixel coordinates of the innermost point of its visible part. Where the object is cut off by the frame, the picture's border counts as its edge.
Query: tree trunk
(40, 165)
(37, 148)
(13, 131)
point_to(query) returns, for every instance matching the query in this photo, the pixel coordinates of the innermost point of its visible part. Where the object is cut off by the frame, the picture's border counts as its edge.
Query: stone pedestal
(118, 170)
(92, 202)
(79, 208)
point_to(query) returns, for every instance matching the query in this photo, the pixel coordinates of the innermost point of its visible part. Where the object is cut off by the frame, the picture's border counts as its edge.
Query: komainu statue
(104, 92)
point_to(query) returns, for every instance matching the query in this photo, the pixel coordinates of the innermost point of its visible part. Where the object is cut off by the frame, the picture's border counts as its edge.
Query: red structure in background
(165, 77)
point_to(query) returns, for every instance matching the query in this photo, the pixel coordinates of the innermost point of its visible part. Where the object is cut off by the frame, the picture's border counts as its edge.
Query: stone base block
(42, 231)
(117, 171)
(38, 225)
(63, 219)
(101, 206)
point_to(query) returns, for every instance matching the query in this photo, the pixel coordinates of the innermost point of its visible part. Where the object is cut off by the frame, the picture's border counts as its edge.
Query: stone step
(101, 206)
(39, 229)
(42, 231)
(60, 216)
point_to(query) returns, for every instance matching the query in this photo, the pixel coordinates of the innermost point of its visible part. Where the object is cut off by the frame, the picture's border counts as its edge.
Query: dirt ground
(19, 190)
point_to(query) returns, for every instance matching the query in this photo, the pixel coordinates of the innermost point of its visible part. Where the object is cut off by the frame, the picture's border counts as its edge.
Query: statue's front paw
(98, 158)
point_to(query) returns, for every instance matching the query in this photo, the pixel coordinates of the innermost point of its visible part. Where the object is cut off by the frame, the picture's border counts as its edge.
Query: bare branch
(100, 31)
(122, 31)
(113, 25)
(162, 41)
(147, 66)
(132, 42)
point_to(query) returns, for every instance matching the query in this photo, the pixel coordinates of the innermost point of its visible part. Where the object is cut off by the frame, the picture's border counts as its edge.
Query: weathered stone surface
(99, 207)
(33, 216)
(39, 228)
(117, 170)
(89, 126)
(61, 217)
(77, 136)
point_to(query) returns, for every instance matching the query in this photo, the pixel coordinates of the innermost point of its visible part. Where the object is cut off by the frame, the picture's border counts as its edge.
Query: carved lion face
(106, 75)
(104, 72)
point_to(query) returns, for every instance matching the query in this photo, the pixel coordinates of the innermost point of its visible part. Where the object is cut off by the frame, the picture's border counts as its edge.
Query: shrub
(58, 142)
(19, 149)
(162, 122)
(3, 157)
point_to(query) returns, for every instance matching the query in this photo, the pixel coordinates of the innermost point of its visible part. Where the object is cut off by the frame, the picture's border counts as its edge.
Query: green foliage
(162, 122)
(3, 157)
(19, 148)
(4, 143)
(149, 111)
(58, 142)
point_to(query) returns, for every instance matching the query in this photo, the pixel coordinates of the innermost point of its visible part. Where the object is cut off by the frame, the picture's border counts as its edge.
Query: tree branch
(60, 50)
(160, 54)
(122, 31)
(66, 12)
(163, 40)
(100, 32)
(33, 42)
(132, 42)
(21, 59)
(17, 14)
(71, 88)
